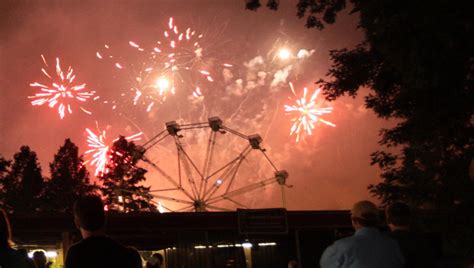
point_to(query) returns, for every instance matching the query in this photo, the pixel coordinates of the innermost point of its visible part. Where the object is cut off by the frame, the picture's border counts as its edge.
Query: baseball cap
(365, 210)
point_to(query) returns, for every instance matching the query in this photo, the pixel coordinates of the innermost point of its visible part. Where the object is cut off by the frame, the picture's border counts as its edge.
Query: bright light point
(284, 53)
(48, 254)
(51, 254)
(219, 182)
(246, 245)
(266, 244)
(162, 83)
(160, 207)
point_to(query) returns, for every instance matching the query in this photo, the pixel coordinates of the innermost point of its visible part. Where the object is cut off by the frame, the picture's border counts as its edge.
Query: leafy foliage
(4, 170)
(121, 185)
(317, 13)
(22, 184)
(69, 179)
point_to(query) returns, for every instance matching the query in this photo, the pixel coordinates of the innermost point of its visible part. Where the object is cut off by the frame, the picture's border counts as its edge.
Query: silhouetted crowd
(368, 247)
(94, 250)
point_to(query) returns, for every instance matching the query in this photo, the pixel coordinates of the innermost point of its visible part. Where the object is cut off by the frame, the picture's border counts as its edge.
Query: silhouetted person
(137, 259)
(40, 259)
(367, 248)
(156, 261)
(292, 264)
(24, 253)
(9, 258)
(417, 250)
(95, 250)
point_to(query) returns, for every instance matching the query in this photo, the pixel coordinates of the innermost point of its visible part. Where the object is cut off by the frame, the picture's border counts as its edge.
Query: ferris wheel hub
(200, 206)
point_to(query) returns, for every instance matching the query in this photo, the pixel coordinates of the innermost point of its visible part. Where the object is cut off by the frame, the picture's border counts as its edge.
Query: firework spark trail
(306, 112)
(61, 91)
(100, 152)
(173, 62)
(263, 79)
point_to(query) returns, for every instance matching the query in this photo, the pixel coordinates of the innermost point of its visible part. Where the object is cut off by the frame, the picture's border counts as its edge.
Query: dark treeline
(24, 189)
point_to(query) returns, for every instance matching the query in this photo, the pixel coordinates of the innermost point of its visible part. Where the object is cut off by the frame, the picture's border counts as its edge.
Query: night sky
(328, 170)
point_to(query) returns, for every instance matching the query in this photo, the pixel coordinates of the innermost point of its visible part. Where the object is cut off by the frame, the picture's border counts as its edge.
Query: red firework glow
(61, 92)
(100, 152)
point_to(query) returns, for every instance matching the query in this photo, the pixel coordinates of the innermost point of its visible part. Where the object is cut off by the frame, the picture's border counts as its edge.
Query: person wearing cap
(367, 248)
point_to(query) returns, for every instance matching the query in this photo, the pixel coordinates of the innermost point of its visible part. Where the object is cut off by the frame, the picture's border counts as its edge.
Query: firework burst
(100, 152)
(306, 113)
(62, 92)
(160, 69)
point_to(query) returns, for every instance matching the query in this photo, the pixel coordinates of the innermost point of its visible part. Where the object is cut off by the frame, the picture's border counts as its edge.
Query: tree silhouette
(69, 179)
(420, 71)
(121, 185)
(4, 170)
(23, 183)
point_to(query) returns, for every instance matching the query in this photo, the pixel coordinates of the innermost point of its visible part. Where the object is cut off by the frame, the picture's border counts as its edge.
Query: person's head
(398, 216)
(292, 264)
(155, 262)
(40, 258)
(136, 258)
(89, 213)
(5, 231)
(364, 214)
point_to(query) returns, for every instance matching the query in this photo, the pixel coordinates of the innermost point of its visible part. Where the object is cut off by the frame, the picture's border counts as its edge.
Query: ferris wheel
(217, 176)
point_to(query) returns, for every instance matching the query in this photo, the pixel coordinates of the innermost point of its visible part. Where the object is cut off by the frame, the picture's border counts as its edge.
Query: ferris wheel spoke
(245, 189)
(201, 188)
(228, 199)
(165, 190)
(228, 164)
(234, 173)
(230, 172)
(207, 162)
(200, 124)
(176, 200)
(219, 182)
(218, 208)
(178, 143)
(268, 159)
(159, 204)
(185, 161)
(167, 208)
(162, 172)
(186, 208)
(179, 168)
(157, 136)
(193, 127)
(235, 132)
(169, 178)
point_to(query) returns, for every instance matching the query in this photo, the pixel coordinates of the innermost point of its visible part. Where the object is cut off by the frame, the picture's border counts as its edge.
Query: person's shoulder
(111, 245)
(12, 258)
(76, 246)
(345, 242)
